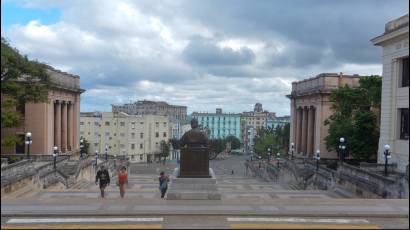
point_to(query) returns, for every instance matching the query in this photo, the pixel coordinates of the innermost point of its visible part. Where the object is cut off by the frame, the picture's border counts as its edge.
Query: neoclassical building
(394, 124)
(56, 123)
(310, 107)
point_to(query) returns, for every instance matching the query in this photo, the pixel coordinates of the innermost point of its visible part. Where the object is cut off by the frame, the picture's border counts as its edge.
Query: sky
(202, 54)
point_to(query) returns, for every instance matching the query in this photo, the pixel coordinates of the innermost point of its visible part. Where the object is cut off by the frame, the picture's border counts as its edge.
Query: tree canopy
(355, 117)
(22, 81)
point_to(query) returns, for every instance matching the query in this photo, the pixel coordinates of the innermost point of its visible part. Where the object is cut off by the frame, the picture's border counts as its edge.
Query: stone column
(64, 127)
(57, 124)
(310, 132)
(299, 130)
(70, 126)
(304, 130)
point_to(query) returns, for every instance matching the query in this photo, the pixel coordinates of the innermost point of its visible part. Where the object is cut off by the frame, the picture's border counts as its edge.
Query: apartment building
(135, 136)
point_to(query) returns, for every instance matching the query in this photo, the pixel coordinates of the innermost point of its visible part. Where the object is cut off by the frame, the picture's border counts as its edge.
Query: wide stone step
(193, 195)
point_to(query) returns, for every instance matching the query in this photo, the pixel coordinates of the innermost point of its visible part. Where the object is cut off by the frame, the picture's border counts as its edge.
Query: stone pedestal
(194, 162)
(193, 188)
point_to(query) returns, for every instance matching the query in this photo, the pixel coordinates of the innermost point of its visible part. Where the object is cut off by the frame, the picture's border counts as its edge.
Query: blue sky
(202, 54)
(14, 13)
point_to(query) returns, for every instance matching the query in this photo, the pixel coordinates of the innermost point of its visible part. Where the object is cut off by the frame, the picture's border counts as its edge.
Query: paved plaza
(247, 202)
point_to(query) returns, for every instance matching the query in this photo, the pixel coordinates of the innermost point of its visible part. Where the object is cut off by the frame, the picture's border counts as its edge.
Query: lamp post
(268, 155)
(81, 147)
(317, 159)
(28, 143)
(115, 161)
(278, 158)
(96, 158)
(55, 152)
(342, 148)
(387, 155)
(106, 152)
(292, 149)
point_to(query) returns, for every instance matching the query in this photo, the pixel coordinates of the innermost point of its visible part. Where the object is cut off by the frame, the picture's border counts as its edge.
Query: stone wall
(359, 181)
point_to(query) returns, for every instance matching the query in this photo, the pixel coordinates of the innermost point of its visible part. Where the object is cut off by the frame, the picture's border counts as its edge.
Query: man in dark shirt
(104, 178)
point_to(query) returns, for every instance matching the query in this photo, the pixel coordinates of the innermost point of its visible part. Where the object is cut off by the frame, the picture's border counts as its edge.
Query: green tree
(355, 117)
(86, 146)
(22, 81)
(164, 146)
(235, 142)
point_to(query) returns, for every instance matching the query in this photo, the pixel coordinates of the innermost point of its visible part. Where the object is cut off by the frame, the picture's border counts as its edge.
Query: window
(141, 123)
(404, 124)
(141, 146)
(157, 124)
(165, 134)
(107, 134)
(122, 123)
(96, 123)
(405, 72)
(156, 134)
(122, 134)
(132, 125)
(165, 124)
(141, 135)
(81, 122)
(122, 145)
(107, 123)
(95, 144)
(132, 146)
(132, 135)
(115, 134)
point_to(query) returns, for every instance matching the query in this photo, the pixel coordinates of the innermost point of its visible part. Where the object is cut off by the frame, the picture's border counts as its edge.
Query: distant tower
(258, 108)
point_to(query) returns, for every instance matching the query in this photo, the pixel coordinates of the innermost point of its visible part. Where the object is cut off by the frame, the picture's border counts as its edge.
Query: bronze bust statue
(194, 137)
(194, 153)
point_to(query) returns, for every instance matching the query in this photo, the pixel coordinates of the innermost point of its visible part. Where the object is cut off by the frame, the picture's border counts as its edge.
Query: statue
(194, 153)
(194, 137)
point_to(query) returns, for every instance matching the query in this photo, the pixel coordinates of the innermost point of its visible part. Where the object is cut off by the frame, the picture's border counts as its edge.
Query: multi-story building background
(52, 123)
(252, 122)
(220, 125)
(394, 124)
(145, 107)
(277, 122)
(137, 137)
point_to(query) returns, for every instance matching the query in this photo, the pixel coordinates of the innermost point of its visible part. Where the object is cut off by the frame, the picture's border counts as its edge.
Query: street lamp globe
(55, 148)
(28, 134)
(387, 147)
(318, 154)
(342, 140)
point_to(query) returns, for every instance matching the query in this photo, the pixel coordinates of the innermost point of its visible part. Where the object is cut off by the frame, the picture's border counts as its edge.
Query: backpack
(163, 184)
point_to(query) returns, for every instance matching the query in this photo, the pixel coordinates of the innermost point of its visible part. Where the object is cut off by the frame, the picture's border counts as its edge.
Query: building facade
(252, 122)
(220, 125)
(175, 112)
(55, 123)
(277, 122)
(394, 124)
(137, 137)
(310, 107)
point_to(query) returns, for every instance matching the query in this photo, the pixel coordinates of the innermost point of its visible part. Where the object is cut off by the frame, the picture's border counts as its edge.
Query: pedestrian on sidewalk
(163, 183)
(122, 180)
(104, 178)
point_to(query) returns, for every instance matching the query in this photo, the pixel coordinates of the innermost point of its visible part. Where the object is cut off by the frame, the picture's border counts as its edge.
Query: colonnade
(63, 125)
(305, 130)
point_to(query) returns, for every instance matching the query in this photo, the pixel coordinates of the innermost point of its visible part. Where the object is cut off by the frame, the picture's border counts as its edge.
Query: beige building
(55, 123)
(394, 124)
(310, 107)
(252, 122)
(135, 136)
(145, 107)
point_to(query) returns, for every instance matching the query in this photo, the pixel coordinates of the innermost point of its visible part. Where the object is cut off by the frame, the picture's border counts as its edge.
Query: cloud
(204, 54)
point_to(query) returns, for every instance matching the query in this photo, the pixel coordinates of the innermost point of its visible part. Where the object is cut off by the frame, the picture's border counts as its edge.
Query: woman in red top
(122, 180)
